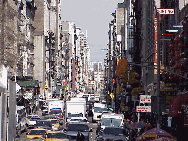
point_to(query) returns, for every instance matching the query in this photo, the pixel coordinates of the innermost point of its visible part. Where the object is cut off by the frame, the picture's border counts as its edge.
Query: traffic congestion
(80, 117)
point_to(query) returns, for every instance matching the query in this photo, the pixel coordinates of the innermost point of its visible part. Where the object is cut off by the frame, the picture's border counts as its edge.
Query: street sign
(111, 95)
(145, 98)
(177, 25)
(165, 11)
(143, 108)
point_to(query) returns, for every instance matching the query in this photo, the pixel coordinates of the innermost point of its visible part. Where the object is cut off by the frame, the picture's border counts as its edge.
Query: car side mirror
(90, 130)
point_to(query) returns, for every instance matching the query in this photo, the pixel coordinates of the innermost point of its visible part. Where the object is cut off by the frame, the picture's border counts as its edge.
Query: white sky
(93, 16)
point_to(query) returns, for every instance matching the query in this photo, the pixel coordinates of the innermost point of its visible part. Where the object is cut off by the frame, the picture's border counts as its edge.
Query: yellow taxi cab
(55, 136)
(36, 133)
(55, 124)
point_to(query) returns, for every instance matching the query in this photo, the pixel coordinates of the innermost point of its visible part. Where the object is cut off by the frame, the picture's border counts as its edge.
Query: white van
(111, 120)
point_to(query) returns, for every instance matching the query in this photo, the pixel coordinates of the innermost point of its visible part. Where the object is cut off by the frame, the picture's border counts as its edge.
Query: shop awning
(175, 108)
(31, 83)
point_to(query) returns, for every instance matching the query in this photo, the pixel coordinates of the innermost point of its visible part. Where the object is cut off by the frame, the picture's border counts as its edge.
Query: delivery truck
(76, 107)
(55, 104)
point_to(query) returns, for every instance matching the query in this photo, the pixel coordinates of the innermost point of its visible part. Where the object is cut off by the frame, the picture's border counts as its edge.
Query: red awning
(176, 104)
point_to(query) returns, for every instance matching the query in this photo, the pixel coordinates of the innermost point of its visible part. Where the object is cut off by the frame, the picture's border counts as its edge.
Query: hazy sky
(93, 16)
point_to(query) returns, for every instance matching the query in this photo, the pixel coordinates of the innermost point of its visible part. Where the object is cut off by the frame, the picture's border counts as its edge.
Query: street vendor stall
(154, 134)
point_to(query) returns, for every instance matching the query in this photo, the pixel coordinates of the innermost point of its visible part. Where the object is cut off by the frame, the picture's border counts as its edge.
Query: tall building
(17, 50)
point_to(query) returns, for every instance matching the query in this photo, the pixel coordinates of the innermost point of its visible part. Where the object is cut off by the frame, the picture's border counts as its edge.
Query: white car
(78, 119)
(32, 122)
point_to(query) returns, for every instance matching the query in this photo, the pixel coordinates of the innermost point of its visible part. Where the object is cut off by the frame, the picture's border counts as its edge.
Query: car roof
(42, 120)
(55, 132)
(38, 129)
(82, 123)
(51, 119)
(113, 127)
(33, 115)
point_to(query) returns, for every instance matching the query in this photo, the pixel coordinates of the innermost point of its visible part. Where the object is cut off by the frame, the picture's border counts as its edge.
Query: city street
(91, 125)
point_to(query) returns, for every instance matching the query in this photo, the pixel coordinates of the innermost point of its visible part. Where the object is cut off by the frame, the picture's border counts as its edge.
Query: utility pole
(2, 90)
(158, 70)
(56, 41)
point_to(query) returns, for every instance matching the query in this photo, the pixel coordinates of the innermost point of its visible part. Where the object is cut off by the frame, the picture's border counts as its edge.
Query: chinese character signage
(145, 98)
(165, 11)
(143, 108)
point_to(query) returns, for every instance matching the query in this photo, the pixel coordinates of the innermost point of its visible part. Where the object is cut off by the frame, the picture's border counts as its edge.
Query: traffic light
(132, 78)
(45, 87)
(124, 76)
(66, 88)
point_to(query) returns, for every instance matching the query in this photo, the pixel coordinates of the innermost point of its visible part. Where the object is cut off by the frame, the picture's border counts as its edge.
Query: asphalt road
(94, 127)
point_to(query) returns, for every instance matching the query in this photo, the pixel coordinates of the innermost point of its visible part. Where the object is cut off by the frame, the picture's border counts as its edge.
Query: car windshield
(43, 123)
(114, 131)
(105, 122)
(34, 119)
(75, 115)
(56, 135)
(50, 117)
(116, 122)
(39, 123)
(54, 121)
(47, 123)
(54, 112)
(37, 132)
(78, 127)
(99, 110)
(84, 120)
(31, 116)
(111, 122)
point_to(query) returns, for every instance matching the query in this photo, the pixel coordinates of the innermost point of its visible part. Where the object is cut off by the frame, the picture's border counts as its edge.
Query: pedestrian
(80, 136)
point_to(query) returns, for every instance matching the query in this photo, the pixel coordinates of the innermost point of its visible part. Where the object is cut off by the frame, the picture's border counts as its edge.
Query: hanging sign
(145, 98)
(143, 108)
(165, 11)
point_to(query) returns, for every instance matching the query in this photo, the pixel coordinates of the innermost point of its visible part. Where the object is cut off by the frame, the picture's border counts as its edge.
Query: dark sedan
(73, 128)
(112, 134)
(45, 124)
